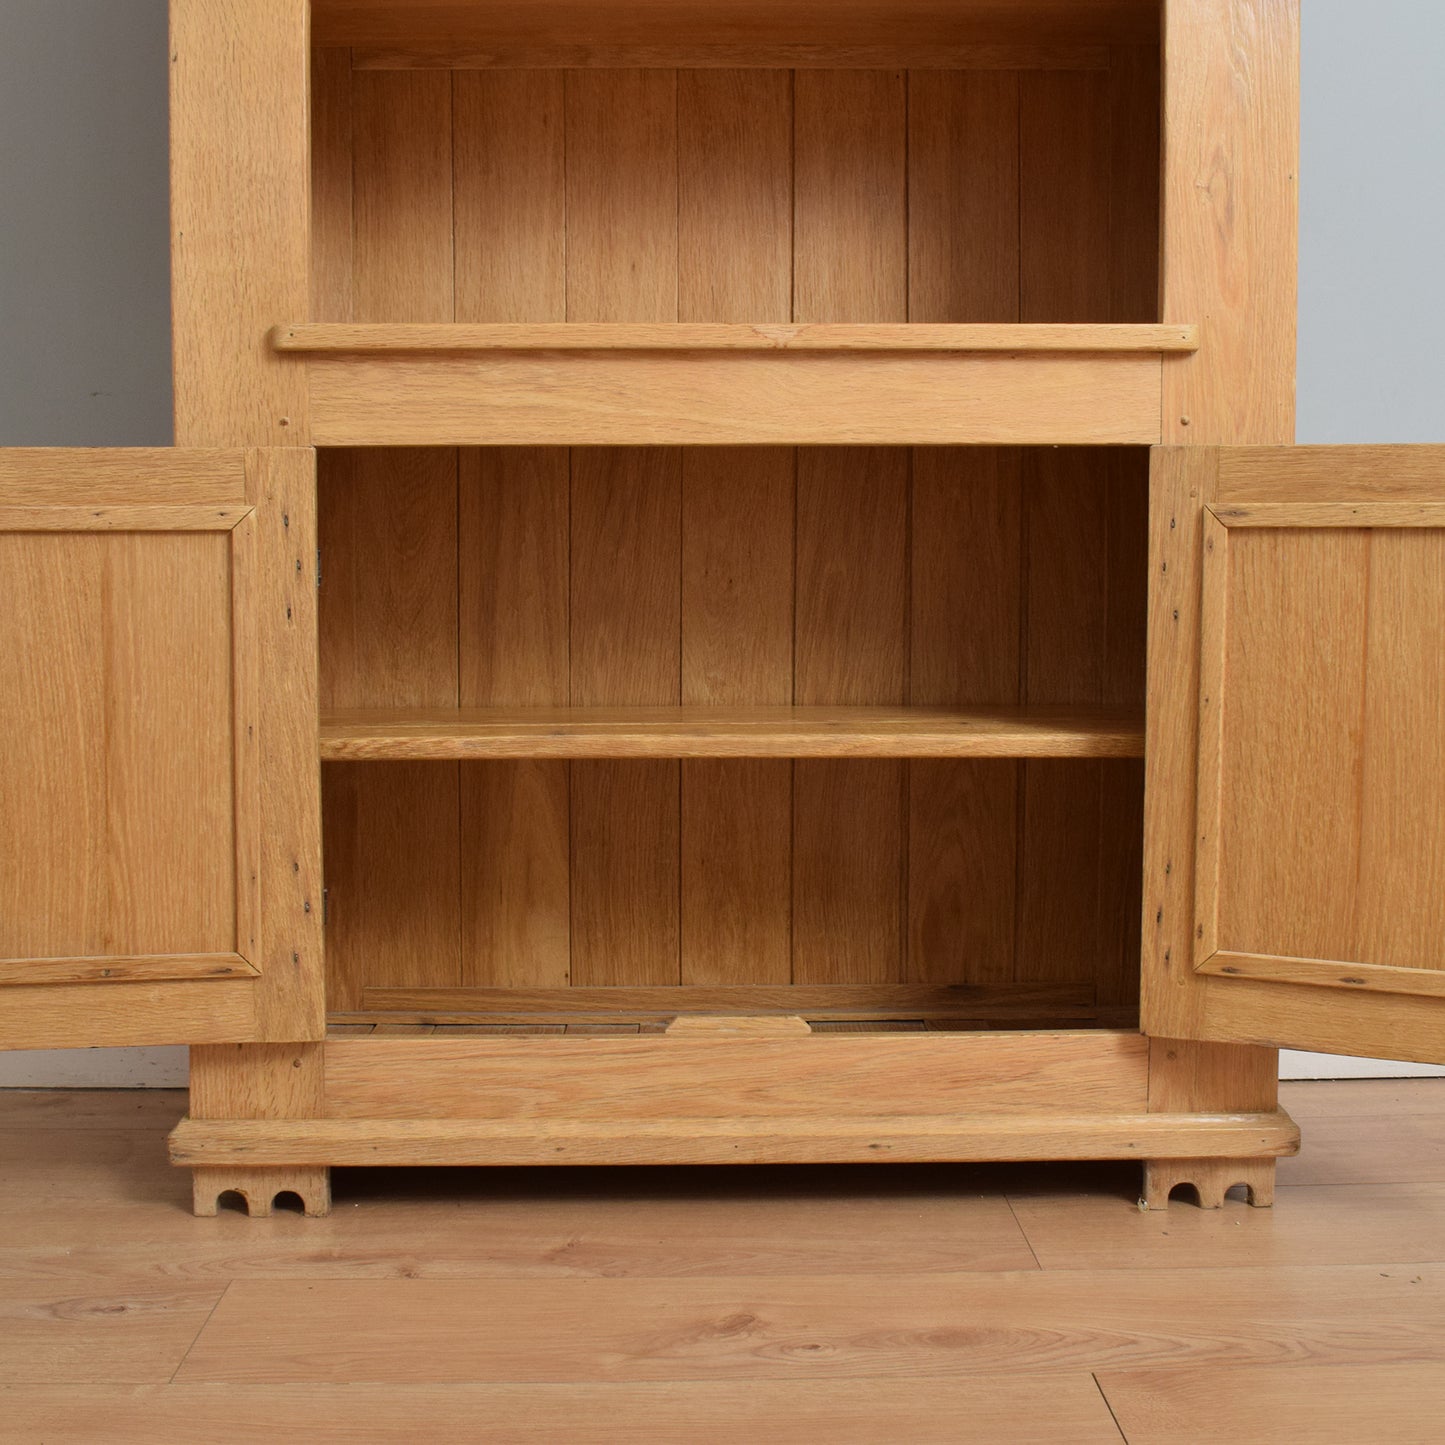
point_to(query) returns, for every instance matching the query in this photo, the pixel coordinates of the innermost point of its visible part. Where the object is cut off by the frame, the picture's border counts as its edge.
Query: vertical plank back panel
(621, 195)
(851, 648)
(626, 637)
(1064, 190)
(331, 150)
(514, 534)
(1134, 141)
(509, 165)
(737, 648)
(402, 139)
(963, 195)
(850, 206)
(1065, 601)
(735, 189)
(966, 622)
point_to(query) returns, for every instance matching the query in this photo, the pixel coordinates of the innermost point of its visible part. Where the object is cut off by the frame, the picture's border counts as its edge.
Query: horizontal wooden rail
(342, 338)
(1022, 1136)
(764, 732)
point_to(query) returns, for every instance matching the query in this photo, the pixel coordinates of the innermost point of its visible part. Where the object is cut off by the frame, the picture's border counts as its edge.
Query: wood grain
(735, 186)
(332, 261)
(388, 627)
(850, 1412)
(963, 196)
(514, 399)
(749, 25)
(608, 1080)
(402, 244)
(514, 534)
(1231, 151)
(323, 338)
(238, 208)
(372, 734)
(850, 226)
(622, 195)
(1108, 1321)
(509, 172)
(1278, 1405)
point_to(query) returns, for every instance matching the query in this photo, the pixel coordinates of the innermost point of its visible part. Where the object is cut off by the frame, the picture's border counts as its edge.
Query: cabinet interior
(924, 580)
(940, 161)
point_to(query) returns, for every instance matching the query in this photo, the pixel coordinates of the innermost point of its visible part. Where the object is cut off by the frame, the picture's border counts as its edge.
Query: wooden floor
(901, 1304)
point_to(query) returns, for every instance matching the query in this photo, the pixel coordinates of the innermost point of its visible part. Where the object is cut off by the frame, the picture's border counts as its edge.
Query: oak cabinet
(732, 587)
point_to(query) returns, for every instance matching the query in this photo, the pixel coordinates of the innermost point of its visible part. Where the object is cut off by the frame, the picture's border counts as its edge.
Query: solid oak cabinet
(733, 587)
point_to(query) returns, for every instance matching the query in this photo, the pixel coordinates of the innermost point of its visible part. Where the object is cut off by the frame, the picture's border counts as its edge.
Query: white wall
(84, 311)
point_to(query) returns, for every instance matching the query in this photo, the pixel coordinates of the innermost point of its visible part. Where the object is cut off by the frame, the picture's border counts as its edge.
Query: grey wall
(84, 249)
(84, 320)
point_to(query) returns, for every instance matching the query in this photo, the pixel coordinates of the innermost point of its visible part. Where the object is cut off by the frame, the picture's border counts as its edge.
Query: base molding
(247, 1143)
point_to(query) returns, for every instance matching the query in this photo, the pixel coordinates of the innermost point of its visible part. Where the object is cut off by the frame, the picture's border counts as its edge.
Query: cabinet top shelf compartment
(482, 33)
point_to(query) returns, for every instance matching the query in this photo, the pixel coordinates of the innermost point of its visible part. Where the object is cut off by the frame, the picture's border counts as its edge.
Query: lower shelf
(371, 735)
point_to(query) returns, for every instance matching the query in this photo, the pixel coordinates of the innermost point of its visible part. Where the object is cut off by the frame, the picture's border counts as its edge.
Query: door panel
(1316, 744)
(138, 607)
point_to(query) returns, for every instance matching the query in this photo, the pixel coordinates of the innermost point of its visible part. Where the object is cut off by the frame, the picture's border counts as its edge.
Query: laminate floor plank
(538, 1224)
(113, 1331)
(1365, 1149)
(1345, 1098)
(1290, 1405)
(825, 1326)
(1021, 1410)
(1318, 1224)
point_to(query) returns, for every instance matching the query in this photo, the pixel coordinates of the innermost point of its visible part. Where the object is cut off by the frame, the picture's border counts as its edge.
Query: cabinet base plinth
(258, 1188)
(1211, 1180)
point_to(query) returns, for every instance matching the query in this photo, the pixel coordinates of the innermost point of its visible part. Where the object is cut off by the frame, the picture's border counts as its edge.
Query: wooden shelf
(337, 338)
(762, 732)
(574, 384)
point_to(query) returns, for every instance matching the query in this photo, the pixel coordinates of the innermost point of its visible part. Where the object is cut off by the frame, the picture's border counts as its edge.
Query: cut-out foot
(1210, 1179)
(258, 1188)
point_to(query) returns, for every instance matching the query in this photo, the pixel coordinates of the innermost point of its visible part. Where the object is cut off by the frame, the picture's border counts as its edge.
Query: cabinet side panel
(239, 202)
(1231, 148)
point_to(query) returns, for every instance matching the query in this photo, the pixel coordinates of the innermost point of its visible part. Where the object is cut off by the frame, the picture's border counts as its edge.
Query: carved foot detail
(259, 1187)
(1211, 1180)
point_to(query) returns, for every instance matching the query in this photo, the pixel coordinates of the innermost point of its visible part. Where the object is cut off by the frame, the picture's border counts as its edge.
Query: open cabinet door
(1295, 892)
(159, 802)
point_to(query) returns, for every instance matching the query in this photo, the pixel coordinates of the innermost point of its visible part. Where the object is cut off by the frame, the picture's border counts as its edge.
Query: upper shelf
(598, 384)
